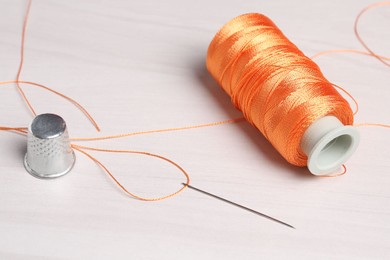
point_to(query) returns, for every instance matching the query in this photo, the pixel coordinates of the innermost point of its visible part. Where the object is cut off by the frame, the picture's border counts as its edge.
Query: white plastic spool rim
(328, 144)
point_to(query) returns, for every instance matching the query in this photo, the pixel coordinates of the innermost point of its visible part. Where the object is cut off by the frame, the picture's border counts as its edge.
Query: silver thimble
(49, 153)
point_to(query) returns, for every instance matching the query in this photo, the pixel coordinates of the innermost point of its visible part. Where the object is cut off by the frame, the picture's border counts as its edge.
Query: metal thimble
(49, 153)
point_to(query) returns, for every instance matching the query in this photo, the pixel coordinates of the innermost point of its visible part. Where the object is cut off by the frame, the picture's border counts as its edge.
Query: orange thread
(80, 149)
(350, 96)
(361, 39)
(372, 124)
(21, 92)
(344, 171)
(279, 90)
(74, 102)
(323, 53)
(370, 52)
(15, 129)
(230, 121)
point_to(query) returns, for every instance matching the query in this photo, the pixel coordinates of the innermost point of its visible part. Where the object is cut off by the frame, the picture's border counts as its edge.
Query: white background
(139, 65)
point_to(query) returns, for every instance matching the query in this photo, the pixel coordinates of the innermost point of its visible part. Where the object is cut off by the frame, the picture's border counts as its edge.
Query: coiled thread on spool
(279, 90)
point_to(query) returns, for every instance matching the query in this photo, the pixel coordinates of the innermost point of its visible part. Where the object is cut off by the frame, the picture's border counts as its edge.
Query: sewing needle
(238, 205)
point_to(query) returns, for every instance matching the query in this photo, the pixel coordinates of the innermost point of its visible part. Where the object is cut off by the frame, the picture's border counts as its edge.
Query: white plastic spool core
(328, 144)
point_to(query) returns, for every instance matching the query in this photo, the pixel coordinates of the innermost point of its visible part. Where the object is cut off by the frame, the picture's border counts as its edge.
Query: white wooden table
(139, 65)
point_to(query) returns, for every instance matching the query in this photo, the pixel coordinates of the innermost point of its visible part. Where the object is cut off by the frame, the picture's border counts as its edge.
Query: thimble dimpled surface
(49, 153)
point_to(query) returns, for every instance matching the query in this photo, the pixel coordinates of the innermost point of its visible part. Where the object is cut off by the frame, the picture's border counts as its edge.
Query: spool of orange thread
(283, 94)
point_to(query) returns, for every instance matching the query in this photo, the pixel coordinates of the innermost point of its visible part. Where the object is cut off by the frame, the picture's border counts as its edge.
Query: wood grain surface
(140, 65)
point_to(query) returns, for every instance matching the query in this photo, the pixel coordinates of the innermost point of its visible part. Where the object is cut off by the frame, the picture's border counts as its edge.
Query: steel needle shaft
(238, 205)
